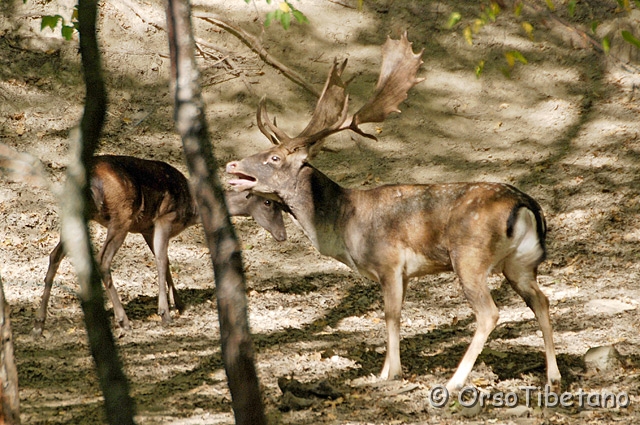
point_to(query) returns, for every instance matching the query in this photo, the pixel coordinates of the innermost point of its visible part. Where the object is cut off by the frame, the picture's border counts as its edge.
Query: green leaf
(67, 32)
(594, 26)
(494, 10)
(624, 5)
(454, 18)
(550, 5)
(50, 21)
(572, 7)
(528, 28)
(300, 17)
(519, 57)
(479, 68)
(512, 56)
(270, 16)
(518, 9)
(468, 35)
(606, 44)
(285, 20)
(629, 38)
(506, 71)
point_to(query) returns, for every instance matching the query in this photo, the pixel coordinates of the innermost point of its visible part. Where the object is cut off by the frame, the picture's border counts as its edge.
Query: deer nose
(231, 166)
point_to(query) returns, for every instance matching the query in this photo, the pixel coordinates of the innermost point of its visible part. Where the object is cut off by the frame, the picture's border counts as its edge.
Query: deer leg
(161, 232)
(393, 290)
(114, 240)
(523, 281)
(55, 258)
(174, 298)
(477, 292)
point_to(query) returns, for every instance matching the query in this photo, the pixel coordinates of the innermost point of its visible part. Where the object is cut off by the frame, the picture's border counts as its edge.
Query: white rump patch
(525, 237)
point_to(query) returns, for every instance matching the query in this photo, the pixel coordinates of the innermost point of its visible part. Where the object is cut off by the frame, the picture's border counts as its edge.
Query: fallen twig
(348, 6)
(248, 39)
(254, 44)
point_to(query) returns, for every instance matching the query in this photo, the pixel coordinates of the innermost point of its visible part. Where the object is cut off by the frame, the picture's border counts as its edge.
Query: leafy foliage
(283, 14)
(67, 30)
(489, 12)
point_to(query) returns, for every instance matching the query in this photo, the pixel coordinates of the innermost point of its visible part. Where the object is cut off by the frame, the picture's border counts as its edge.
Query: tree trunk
(235, 338)
(9, 396)
(115, 388)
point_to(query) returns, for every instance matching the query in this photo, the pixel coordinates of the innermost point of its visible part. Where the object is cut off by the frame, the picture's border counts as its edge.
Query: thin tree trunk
(235, 338)
(115, 388)
(9, 396)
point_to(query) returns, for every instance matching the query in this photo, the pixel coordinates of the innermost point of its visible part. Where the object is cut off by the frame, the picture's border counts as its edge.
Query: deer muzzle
(242, 181)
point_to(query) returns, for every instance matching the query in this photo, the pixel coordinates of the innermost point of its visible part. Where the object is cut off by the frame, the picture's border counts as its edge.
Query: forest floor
(564, 128)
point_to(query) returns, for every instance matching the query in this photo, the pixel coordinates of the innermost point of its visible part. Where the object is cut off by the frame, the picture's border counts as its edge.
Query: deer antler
(329, 112)
(398, 74)
(273, 133)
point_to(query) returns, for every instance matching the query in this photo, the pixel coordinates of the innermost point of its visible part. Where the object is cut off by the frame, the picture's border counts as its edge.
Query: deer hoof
(36, 332)
(124, 324)
(166, 317)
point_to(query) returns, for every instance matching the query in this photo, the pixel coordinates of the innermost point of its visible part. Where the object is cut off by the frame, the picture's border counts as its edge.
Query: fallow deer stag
(394, 232)
(133, 195)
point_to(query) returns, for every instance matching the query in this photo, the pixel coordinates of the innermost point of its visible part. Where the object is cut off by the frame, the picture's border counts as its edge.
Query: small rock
(607, 307)
(519, 411)
(471, 411)
(291, 402)
(602, 359)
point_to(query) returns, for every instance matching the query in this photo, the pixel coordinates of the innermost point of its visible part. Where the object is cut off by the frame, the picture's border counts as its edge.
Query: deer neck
(318, 205)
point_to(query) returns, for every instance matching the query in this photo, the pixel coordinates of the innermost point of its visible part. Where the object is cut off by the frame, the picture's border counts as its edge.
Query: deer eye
(275, 158)
(267, 202)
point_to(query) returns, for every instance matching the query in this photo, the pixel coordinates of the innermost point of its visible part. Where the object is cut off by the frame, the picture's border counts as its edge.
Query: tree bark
(115, 388)
(9, 396)
(235, 338)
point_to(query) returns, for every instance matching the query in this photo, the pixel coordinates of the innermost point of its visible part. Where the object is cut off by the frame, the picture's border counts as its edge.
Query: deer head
(274, 170)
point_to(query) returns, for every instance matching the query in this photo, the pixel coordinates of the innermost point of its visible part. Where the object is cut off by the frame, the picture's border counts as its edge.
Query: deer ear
(313, 150)
(301, 155)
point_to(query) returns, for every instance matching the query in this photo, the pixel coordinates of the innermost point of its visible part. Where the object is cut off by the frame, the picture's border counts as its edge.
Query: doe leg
(55, 258)
(477, 293)
(393, 291)
(113, 242)
(161, 234)
(525, 284)
(174, 298)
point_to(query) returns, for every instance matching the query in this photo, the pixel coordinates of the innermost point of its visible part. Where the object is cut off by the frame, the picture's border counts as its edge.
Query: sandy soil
(564, 128)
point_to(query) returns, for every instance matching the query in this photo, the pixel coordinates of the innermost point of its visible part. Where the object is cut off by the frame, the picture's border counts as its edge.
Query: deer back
(134, 192)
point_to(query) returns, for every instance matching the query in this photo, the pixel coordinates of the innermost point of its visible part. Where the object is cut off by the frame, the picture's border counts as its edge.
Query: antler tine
(397, 75)
(330, 112)
(273, 133)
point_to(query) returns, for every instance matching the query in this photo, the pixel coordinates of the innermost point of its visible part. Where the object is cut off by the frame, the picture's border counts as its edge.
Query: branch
(9, 397)
(148, 15)
(254, 44)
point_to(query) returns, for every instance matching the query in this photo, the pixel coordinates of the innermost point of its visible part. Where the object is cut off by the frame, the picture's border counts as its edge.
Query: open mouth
(242, 182)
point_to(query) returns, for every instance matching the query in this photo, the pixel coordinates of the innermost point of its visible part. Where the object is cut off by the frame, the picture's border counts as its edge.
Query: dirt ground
(564, 128)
